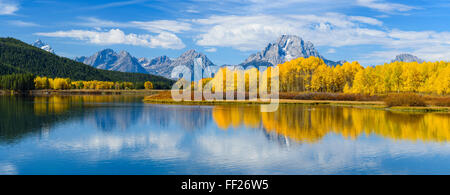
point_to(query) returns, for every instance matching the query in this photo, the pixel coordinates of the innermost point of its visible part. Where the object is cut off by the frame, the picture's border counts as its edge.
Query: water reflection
(313, 123)
(297, 122)
(122, 135)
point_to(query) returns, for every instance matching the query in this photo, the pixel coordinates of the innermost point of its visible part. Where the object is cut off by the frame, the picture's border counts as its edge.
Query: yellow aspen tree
(148, 85)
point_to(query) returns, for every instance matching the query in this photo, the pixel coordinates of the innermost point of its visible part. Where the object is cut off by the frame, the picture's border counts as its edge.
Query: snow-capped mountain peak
(286, 48)
(42, 45)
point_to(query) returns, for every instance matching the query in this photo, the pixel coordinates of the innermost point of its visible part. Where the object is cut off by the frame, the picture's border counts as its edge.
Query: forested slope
(19, 57)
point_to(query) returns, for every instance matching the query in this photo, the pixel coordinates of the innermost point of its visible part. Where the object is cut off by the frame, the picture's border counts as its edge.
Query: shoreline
(378, 105)
(81, 92)
(153, 97)
(355, 104)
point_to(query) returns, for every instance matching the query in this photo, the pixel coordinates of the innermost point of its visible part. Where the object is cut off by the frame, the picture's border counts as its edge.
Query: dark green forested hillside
(19, 57)
(7, 69)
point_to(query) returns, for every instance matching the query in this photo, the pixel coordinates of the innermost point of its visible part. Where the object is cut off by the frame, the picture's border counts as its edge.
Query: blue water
(125, 136)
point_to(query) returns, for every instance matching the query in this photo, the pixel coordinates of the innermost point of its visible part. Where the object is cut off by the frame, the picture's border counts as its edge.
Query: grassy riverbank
(348, 100)
(375, 102)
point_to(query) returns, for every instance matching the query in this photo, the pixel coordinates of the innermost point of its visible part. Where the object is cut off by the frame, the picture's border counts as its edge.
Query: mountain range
(108, 59)
(164, 66)
(286, 48)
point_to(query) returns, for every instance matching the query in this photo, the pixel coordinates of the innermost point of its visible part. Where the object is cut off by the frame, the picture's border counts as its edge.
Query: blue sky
(369, 31)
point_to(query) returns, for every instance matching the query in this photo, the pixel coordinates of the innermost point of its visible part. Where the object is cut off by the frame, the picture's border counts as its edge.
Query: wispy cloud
(21, 23)
(155, 26)
(117, 4)
(117, 36)
(252, 7)
(8, 169)
(191, 10)
(384, 6)
(211, 49)
(8, 7)
(366, 20)
(158, 26)
(332, 50)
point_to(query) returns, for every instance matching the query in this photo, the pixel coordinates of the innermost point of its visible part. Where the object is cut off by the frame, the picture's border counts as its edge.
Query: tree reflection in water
(312, 123)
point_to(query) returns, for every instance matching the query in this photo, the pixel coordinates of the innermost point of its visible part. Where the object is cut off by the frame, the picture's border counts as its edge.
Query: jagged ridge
(40, 44)
(286, 48)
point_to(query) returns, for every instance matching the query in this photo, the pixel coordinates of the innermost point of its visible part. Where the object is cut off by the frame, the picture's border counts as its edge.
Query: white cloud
(428, 45)
(167, 40)
(332, 50)
(117, 36)
(434, 53)
(158, 26)
(23, 23)
(118, 4)
(253, 7)
(193, 11)
(211, 49)
(99, 23)
(253, 32)
(366, 20)
(8, 7)
(155, 26)
(8, 169)
(241, 32)
(428, 53)
(384, 6)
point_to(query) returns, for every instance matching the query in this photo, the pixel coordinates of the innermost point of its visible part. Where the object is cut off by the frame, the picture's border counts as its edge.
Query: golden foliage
(313, 75)
(66, 83)
(148, 85)
(41, 83)
(427, 77)
(313, 123)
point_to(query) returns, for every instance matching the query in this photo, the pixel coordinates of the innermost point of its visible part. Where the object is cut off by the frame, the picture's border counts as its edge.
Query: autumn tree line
(313, 75)
(22, 82)
(298, 75)
(66, 83)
